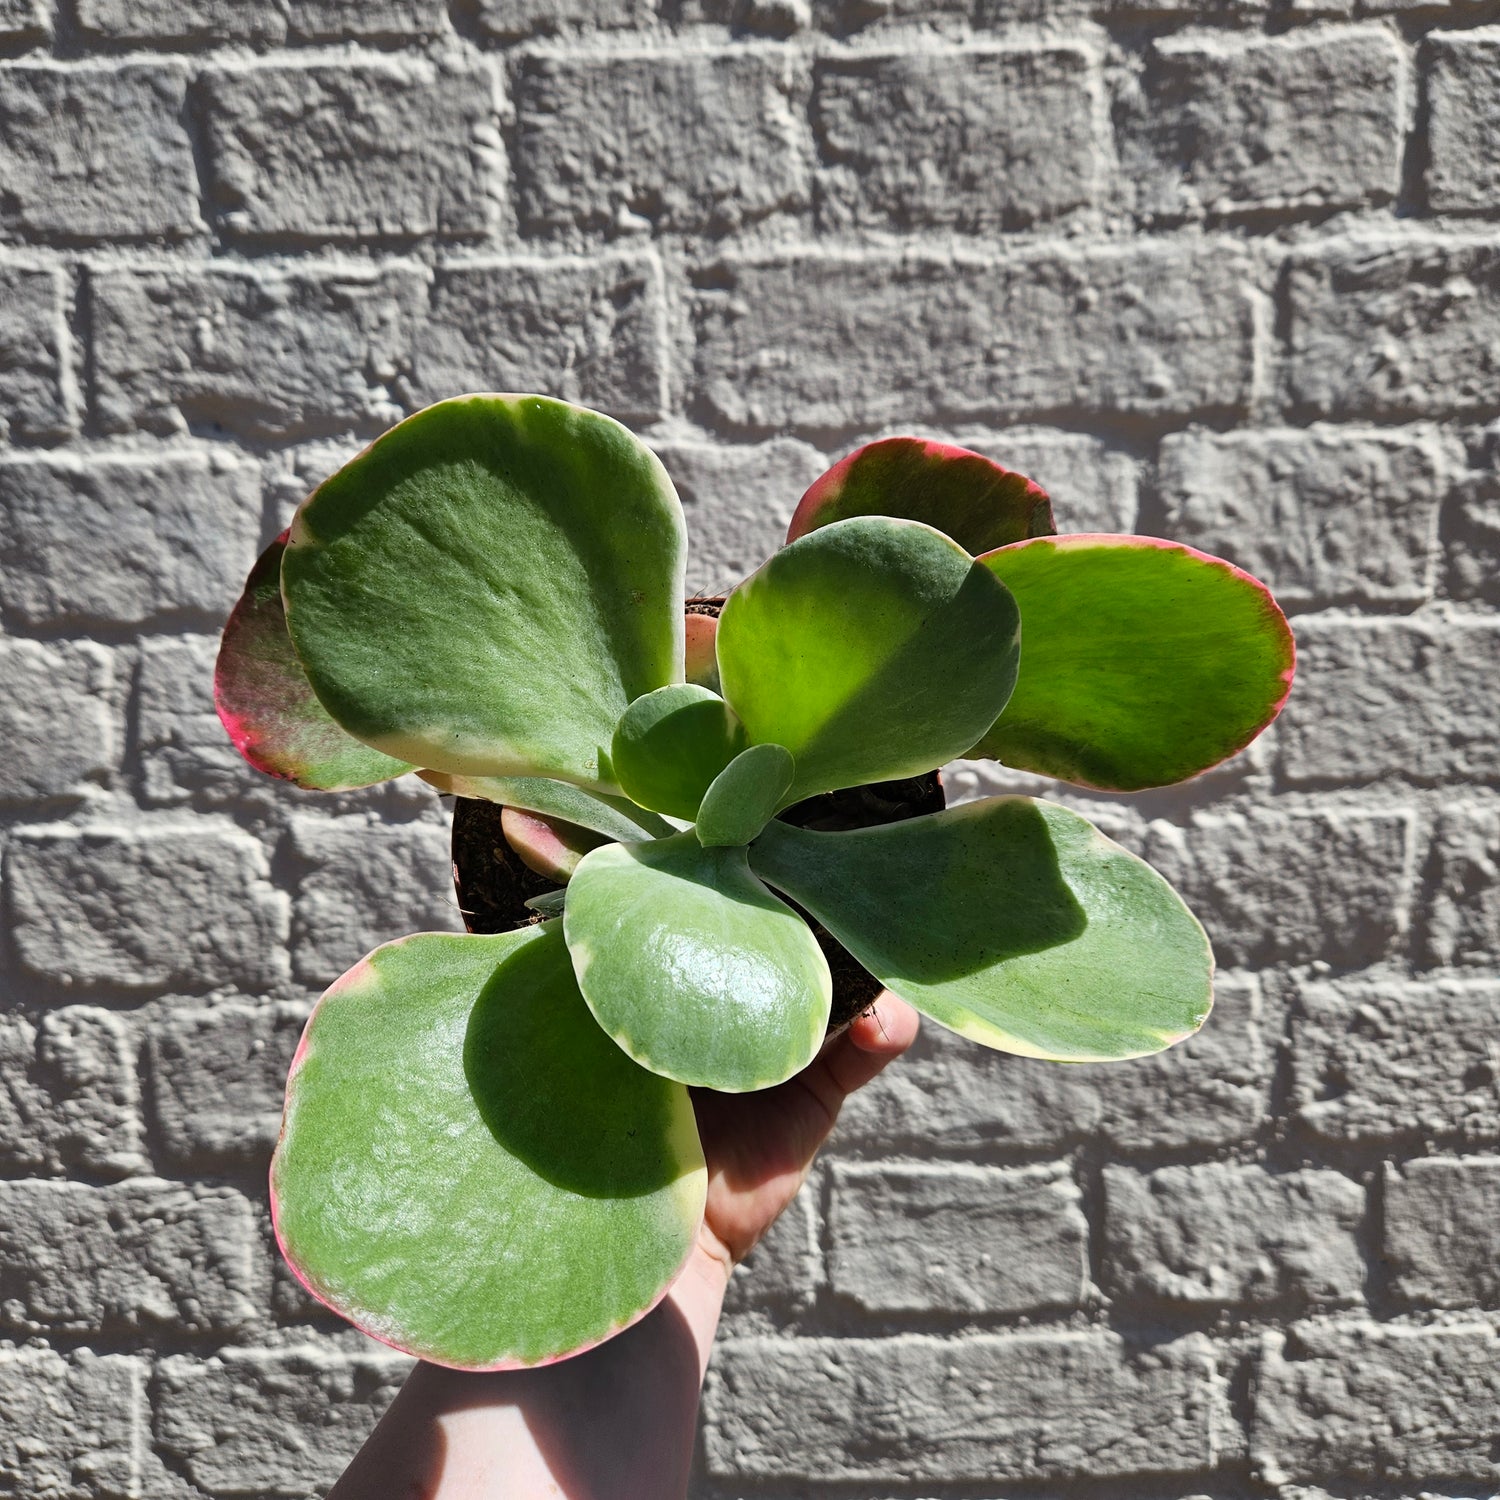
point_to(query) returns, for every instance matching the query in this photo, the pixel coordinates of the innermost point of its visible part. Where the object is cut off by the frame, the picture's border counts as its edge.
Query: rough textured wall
(1226, 271)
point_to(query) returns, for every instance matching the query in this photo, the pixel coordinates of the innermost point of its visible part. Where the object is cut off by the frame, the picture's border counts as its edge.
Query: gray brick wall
(1228, 270)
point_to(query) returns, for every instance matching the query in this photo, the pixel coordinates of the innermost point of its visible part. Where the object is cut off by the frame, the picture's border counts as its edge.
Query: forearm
(616, 1423)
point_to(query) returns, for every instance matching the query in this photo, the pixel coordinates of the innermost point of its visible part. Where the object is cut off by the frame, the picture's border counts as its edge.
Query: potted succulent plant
(489, 1156)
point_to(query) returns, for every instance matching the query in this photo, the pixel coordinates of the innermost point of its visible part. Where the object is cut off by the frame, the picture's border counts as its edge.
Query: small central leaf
(670, 745)
(745, 796)
(693, 966)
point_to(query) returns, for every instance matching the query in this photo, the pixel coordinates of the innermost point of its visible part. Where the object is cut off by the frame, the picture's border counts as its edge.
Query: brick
(1471, 527)
(23, 18)
(854, 340)
(1395, 328)
(68, 1094)
(957, 1238)
(270, 1422)
(74, 1427)
(1463, 881)
(1233, 124)
(1365, 1402)
(1323, 517)
(1463, 129)
(1211, 1090)
(96, 151)
(1386, 1062)
(602, 140)
(1038, 1406)
(1224, 1235)
(269, 21)
(1291, 887)
(57, 718)
(738, 502)
(142, 1254)
(785, 1268)
(38, 398)
(255, 351)
(365, 884)
(588, 331)
(1441, 1240)
(1007, 138)
(216, 1080)
(511, 20)
(394, 148)
(140, 909)
(1380, 698)
(126, 539)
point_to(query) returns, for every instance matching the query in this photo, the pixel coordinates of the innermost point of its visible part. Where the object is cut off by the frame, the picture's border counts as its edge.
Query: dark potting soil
(494, 885)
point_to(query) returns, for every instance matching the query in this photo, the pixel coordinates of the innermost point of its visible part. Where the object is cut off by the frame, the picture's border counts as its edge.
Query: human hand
(759, 1146)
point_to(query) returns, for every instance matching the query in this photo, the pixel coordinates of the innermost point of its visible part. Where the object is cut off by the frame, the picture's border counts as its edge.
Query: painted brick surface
(123, 540)
(37, 387)
(1262, 499)
(600, 139)
(1234, 124)
(1157, 329)
(1017, 1407)
(76, 1259)
(374, 150)
(97, 152)
(1440, 1242)
(924, 1239)
(1220, 1235)
(994, 159)
(1463, 85)
(1220, 270)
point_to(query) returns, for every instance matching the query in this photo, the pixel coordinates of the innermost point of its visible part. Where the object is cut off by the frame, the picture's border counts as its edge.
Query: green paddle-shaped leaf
(469, 1169)
(744, 796)
(965, 495)
(1145, 663)
(267, 704)
(1014, 922)
(671, 744)
(693, 966)
(869, 649)
(486, 587)
(615, 817)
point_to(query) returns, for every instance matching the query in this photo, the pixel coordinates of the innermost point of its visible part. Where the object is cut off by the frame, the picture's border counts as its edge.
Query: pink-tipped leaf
(1143, 662)
(268, 706)
(977, 502)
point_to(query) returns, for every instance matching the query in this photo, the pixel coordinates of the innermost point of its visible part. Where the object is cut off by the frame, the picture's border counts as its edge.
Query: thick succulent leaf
(671, 744)
(693, 966)
(615, 817)
(963, 494)
(702, 661)
(547, 846)
(469, 1169)
(486, 587)
(1014, 922)
(1145, 662)
(871, 649)
(267, 704)
(745, 795)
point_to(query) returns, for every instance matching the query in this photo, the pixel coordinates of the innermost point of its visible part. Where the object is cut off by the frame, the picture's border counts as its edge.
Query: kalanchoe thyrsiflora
(489, 1156)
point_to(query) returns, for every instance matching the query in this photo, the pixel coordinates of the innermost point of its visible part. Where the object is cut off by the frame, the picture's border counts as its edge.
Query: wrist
(698, 1292)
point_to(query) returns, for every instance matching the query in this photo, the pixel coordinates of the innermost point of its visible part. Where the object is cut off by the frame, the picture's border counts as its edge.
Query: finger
(878, 1036)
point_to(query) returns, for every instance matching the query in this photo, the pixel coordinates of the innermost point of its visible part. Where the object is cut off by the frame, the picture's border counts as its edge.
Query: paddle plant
(489, 1156)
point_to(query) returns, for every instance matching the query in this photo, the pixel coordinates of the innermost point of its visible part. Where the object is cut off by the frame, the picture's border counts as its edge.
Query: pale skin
(618, 1422)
